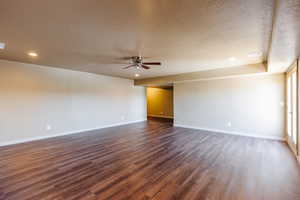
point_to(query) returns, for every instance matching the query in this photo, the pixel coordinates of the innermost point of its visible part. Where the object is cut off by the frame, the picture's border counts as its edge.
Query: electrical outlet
(48, 127)
(123, 117)
(229, 124)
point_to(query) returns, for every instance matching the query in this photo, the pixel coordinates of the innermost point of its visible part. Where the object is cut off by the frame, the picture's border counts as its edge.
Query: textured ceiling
(185, 35)
(285, 42)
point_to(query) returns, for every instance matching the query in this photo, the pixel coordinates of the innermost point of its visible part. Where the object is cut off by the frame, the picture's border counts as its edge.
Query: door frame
(298, 107)
(290, 71)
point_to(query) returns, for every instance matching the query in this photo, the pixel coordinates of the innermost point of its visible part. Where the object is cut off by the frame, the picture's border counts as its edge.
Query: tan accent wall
(252, 106)
(37, 101)
(160, 102)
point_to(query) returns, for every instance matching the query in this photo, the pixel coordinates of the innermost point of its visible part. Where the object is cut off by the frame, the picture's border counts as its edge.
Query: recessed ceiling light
(254, 54)
(2, 45)
(232, 59)
(136, 75)
(32, 54)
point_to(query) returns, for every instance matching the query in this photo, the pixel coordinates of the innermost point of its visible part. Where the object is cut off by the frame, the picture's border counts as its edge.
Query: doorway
(292, 108)
(160, 103)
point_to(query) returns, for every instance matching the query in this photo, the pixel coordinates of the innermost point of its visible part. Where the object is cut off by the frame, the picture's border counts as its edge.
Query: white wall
(253, 105)
(32, 97)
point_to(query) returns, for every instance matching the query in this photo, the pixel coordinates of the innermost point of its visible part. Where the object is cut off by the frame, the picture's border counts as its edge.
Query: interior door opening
(160, 103)
(292, 108)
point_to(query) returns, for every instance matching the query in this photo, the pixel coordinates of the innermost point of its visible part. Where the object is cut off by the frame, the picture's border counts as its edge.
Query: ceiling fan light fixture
(2, 45)
(136, 75)
(32, 54)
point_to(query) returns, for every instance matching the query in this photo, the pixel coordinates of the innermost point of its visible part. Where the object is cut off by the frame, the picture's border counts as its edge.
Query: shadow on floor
(160, 119)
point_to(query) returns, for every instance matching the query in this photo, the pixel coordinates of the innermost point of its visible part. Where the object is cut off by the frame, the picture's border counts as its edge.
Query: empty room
(149, 100)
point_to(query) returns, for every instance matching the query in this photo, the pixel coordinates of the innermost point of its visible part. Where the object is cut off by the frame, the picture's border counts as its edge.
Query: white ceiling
(185, 35)
(285, 42)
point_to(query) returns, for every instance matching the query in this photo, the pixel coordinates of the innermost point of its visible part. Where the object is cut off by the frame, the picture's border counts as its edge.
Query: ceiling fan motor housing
(137, 60)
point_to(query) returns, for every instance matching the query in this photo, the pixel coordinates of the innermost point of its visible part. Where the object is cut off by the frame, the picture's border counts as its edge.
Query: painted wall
(160, 102)
(33, 98)
(248, 105)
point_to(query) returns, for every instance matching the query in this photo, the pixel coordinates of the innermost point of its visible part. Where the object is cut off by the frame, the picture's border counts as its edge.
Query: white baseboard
(161, 116)
(67, 133)
(231, 132)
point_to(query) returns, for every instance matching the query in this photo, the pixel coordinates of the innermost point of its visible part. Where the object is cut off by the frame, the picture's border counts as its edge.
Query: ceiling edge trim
(221, 73)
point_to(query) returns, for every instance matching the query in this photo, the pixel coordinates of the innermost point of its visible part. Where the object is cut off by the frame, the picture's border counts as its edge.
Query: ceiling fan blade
(152, 63)
(145, 67)
(129, 66)
(125, 58)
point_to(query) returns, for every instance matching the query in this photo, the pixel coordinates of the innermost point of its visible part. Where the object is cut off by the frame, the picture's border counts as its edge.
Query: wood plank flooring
(151, 161)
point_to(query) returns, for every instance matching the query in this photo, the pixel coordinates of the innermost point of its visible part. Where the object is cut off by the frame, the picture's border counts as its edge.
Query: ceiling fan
(137, 62)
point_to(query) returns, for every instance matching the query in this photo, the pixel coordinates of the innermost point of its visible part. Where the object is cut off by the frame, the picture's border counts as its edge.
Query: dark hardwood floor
(149, 160)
